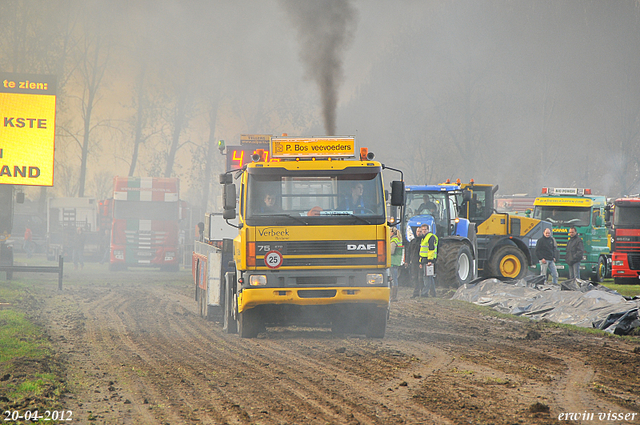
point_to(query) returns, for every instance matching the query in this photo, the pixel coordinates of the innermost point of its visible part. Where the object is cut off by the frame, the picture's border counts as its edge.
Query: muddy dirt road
(135, 351)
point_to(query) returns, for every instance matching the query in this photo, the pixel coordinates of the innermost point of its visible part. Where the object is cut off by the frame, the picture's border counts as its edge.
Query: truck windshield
(145, 210)
(561, 216)
(318, 196)
(627, 216)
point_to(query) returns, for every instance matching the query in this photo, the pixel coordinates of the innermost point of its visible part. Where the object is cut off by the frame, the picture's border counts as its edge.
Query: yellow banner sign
(292, 147)
(566, 202)
(27, 129)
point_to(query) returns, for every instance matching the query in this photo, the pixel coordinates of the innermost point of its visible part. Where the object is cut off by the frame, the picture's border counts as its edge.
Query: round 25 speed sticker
(273, 259)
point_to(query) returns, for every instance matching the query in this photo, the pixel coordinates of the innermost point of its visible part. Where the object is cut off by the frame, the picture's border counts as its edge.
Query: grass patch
(626, 290)
(30, 374)
(20, 338)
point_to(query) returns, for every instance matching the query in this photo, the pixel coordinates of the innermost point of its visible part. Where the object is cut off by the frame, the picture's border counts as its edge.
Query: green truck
(567, 207)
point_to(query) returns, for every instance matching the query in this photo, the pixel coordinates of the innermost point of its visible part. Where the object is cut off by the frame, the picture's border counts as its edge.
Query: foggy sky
(522, 94)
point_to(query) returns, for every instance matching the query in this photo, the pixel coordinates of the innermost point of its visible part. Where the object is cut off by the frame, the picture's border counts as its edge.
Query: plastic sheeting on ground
(576, 302)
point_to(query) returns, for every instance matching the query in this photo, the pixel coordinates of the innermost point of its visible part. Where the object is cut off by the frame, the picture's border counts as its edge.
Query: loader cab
(477, 205)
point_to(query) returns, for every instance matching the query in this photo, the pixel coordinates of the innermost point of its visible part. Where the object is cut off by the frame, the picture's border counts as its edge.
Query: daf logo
(361, 247)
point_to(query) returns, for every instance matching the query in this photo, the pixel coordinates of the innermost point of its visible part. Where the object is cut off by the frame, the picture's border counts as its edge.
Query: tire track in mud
(568, 391)
(162, 381)
(119, 350)
(159, 357)
(176, 367)
(311, 392)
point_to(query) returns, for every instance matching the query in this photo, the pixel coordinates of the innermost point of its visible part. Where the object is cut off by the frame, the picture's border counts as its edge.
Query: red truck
(625, 239)
(145, 223)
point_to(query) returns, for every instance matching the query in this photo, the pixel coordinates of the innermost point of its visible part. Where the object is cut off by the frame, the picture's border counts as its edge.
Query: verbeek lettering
(273, 232)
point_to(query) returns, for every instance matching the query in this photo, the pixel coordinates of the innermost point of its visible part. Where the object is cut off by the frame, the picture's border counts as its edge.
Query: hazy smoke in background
(325, 29)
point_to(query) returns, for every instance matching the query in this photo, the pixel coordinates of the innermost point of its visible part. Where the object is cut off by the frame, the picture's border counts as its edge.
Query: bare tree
(103, 184)
(94, 59)
(179, 117)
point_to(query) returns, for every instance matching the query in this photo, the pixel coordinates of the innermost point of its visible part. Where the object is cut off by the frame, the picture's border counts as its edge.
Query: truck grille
(146, 239)
(335, 253)
(630, 245)
(317, 293)
(562, 239)
(634, 261)
(302, 262)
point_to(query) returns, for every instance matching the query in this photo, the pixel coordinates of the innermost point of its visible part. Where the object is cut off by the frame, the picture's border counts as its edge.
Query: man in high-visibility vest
(397, 255)
(428, 257)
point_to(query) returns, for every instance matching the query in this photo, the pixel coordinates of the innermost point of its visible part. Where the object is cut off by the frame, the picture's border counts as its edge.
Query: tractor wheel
(455, 264)
(508, 262)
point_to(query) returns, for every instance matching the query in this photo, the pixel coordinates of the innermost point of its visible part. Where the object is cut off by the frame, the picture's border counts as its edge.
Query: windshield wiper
(282, 215)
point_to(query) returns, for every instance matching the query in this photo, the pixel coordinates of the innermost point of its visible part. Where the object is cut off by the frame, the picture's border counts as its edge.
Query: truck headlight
(169, 255)
(258, 280)
(118, 254)
(375, 279)
(618, 263)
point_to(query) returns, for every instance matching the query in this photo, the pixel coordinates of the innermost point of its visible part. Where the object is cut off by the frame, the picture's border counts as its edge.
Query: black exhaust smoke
(325, 28)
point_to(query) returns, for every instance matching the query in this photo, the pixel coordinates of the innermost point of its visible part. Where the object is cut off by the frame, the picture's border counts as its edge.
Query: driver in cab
(354, 201)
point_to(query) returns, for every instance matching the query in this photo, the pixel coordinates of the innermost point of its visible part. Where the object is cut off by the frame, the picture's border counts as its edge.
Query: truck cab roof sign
(565, 202)
(320, 147)
(565, 191)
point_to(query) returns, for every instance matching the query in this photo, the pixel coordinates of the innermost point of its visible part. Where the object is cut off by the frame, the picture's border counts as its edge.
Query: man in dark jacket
(546, 249)
(575, 251)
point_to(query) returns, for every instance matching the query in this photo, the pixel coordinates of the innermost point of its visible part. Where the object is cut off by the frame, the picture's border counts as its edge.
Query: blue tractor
(437, 206)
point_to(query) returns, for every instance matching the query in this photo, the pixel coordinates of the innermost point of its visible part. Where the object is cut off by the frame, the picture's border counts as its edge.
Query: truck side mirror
(226, 178)
(466, 195)
(229, 211)
(607, 214)
(397, 193)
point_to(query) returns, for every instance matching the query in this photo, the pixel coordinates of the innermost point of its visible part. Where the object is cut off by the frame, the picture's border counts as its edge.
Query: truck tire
(455, 264)
(377, 322)
(202, 302)
(229, 323)
(249, 323)
(508, 262)
(601, 270)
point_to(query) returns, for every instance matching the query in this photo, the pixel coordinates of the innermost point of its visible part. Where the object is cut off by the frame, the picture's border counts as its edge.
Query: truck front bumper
(253, 297)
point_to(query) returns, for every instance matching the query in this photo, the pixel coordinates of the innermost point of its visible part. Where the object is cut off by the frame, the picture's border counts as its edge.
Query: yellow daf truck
(313, 239)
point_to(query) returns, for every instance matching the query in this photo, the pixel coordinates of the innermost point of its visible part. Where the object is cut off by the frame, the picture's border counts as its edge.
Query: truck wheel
(601, 270)
(455, 266)
(508, 262)
(377, 323)
(204, 307)
(229, 323)
(249, 323)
